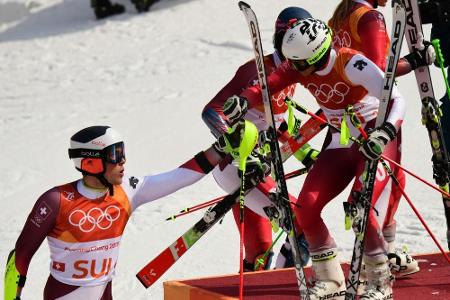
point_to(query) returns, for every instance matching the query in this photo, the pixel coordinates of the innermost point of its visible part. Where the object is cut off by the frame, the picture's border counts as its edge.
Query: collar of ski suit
(329, 64)
(88, 192)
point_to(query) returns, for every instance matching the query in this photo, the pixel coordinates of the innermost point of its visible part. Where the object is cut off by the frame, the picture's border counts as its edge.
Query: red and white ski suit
(258, 230)
(364, 29)
(84, 227)
(349, 78)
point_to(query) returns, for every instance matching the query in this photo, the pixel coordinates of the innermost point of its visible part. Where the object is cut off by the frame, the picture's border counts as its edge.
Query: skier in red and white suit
(84, 220)
(258, 233)
(358, 25)
(337, 79)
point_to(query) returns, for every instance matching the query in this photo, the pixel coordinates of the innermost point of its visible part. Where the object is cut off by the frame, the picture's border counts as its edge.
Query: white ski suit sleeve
(371, 78)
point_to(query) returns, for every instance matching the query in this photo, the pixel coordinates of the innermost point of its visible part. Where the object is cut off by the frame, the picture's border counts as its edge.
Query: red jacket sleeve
(281, 78)
(375, 42)
(39, 223)
(212, 113)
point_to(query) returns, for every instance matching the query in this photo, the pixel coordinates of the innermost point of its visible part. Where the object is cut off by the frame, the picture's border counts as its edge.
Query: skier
(358, 25)
(258, 233)
(339, 79)
(105, 8)
(84, 220)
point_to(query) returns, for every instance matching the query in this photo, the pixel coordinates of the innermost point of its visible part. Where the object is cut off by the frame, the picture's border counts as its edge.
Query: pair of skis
(158, 266)
(286, 217)
(406, 21)
(431, 113)
(358, 211)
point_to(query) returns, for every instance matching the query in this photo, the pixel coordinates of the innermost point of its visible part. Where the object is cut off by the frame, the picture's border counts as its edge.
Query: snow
(149, 76)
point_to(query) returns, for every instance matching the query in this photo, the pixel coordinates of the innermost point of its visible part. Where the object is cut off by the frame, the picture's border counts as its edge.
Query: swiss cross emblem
(59, 266)
(41, 213)
(360, 64)
(180, 247)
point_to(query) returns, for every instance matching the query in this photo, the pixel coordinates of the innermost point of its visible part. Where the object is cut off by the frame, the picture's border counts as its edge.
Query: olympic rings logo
(326, 93)
(342, 39)
(278, 99)
(95, 217)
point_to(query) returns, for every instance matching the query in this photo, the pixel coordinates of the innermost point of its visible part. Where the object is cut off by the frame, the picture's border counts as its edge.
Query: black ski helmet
(286, 17)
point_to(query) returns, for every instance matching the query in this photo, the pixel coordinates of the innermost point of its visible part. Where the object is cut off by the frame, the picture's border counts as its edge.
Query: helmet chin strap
(106, 183)
(101, 177)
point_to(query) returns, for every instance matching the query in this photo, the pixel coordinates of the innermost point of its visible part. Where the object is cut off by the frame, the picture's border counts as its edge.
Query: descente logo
(333, 295)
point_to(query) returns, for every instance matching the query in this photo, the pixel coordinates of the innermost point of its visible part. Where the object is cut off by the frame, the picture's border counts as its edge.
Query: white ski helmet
(91, 147)
(308, 40)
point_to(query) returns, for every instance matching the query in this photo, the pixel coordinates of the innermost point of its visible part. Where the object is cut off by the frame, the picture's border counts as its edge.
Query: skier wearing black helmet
(258, 233)
(84, 220)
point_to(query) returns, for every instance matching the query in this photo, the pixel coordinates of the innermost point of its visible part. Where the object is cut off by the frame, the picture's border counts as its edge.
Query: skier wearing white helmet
(339, 80)
(84, 220)
(258, 233)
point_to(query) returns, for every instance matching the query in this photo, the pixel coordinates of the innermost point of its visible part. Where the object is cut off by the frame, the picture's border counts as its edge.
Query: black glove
(256, 170)
(235, 109)
(424, 55)
(228, 142)
(378, 138)
(310, 158)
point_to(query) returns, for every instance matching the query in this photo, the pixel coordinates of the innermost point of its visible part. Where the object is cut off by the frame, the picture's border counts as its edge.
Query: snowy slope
(149, 76)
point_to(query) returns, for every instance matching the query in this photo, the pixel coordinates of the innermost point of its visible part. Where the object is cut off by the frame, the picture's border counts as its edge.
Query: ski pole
(260, 261)
(296, 173)
(394, 178)
(194, 208)
(201, 205)
(364, 134)
(357, 123)
(306, 111)
(440, 59)
(417, 177)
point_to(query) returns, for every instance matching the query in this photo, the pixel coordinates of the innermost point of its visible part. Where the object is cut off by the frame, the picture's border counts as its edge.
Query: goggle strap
(84, 153)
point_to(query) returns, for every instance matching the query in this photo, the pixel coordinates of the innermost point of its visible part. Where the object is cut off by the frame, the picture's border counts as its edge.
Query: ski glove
(377, 140)
(424, 55)
(256, 169)
(229, 140)
(235, 109)
(307, 155)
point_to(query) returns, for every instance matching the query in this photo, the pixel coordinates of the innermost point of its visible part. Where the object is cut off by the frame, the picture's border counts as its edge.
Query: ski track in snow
(149, 76)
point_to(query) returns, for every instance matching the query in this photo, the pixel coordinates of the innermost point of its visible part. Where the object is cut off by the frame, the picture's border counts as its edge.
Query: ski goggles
(299, 65)
(112, 154)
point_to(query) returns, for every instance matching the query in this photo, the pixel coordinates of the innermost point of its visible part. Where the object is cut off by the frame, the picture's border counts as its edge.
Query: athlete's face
(308, 71)
(302, 67)
(114, 172)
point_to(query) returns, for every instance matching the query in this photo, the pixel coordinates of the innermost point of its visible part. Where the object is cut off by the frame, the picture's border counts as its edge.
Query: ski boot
(104, 8)
(259, 264)
(328, 281)
(379, 279)
(402, 264)
(143, 5)
(285, 258)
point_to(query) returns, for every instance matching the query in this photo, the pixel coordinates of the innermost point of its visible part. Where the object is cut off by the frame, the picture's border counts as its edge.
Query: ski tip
(142, 281)
(171, 218)
(243, 5)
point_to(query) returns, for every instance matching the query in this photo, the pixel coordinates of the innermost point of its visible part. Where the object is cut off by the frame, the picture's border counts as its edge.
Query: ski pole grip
(437, 47)
(297, 106)
(440, 59)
